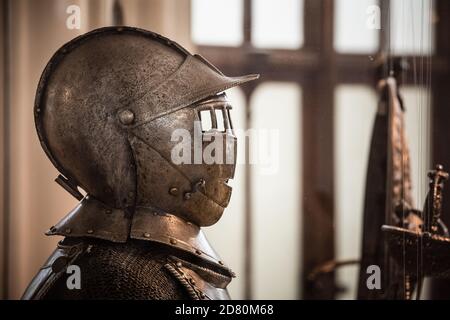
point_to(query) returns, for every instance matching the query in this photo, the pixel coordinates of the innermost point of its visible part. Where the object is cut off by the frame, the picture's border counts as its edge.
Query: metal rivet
(108, 211)
(173, 241)
(155, 213)
(68, 230)
(147, 235)
(198, 252)
(38, 110)
(126, 117)
(179, 264)
(187, 195)
(90, 231)
(173, 191)
(200, 183)
(202, 295)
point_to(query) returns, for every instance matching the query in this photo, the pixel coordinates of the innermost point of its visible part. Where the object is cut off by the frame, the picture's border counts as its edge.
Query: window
(351, 33)
(319, 64)
(217, 22)
(277, 24)
(411, 27)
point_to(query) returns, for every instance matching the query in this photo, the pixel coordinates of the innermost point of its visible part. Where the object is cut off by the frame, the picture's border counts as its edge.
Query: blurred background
(319, 62)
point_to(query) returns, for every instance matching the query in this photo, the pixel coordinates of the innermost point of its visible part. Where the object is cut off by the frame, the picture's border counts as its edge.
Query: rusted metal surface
(388, 195)
(423, 249)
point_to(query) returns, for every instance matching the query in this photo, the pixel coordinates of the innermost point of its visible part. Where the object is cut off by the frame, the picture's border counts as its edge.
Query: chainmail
(130, 271)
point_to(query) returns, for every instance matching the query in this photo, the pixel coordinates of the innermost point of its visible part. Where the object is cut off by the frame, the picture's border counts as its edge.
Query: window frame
(319, 69)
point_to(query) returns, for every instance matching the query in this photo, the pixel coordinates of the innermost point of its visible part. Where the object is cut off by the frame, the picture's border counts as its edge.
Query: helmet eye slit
(228, 115)
(205, 119)
(220, 119)
(215, 118)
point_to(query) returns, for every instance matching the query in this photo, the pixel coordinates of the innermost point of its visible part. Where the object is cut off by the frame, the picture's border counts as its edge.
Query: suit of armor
(107, 107)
